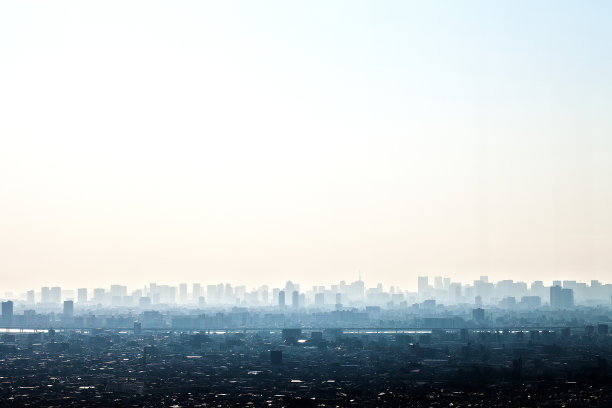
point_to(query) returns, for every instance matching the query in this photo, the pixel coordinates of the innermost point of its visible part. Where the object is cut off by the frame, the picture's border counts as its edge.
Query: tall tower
(7, 312)
(281, 299)
(68, 309)
(295, 299)
(82, 295)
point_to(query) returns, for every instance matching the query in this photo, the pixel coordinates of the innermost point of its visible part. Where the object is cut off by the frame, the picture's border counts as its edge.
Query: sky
(256, 142)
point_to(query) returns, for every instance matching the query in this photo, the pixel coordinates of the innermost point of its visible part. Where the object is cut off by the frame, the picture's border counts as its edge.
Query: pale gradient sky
(254, 142)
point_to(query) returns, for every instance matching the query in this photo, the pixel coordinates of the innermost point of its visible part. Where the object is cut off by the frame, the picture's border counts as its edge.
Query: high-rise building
(82, 295)
(45, 295)
(7, 312)
(229, 293)
(118, 291)
(295, 299)
(195, 291)
(99, 295)
(276, 357)
(56, 294)
(68, 308)
(182, 292)
(561, 298)
(263, 294)
(319, 299)
(30, 299)
(281, 299)
(356, 291)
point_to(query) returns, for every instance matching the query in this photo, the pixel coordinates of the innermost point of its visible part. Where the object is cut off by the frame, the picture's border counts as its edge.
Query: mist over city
(344, 344)
(287, 203)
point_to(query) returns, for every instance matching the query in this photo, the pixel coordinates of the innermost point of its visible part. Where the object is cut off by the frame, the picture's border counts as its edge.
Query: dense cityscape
(447, 344)
(70, 307)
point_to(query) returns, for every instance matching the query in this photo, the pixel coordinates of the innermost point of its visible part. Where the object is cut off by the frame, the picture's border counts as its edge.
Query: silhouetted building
(561, 298)
(45, 295)
(478, 314)
(68, 311)
(30, 297)
(291, 334)
(196, 292)
(56, 294)
(99, 295)
(276, 357)
(82, 295)
(7, 312)
(281, 299)
(531, 302)
(295, 299)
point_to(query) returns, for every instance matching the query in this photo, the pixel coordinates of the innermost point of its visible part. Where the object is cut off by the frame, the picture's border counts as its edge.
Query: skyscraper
(195, 291)
(99, 295)
(281, 299)
(45, 295)
(30, 297)
(182, 292)
(82, 295)
(68, 309)
(7, 312)
(55, 294)
(295, 299)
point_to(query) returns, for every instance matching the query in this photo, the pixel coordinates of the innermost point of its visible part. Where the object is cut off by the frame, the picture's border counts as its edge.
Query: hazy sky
(255, 142)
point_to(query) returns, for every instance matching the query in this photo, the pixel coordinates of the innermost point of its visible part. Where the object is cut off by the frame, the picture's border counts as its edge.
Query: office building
(30, 299)
(295, 299)
(7, 312)
(45, 295)
(561, 298)
(82, 295)
(281, 299)
(276, 357)
(68, 309)
(195, 289)
(55, 294)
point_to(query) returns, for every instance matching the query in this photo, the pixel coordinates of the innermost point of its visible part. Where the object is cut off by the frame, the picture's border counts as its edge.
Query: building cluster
(330, 346)
(343, 297)
(310, 367)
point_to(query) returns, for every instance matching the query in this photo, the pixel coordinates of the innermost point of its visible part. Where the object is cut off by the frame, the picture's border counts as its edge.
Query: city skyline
(508, 294)
(311, 203)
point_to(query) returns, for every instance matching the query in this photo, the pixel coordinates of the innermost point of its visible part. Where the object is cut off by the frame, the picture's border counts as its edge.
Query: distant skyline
(432, 282)
(315, 141)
